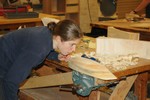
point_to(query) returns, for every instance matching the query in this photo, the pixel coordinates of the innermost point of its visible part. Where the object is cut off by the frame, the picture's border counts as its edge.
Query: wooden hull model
(91, 68)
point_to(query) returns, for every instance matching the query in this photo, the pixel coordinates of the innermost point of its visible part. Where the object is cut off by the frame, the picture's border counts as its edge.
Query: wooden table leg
(141, 86)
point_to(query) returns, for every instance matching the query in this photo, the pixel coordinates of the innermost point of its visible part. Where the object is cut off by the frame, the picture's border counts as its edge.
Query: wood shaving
(118, 62)
(114, 62)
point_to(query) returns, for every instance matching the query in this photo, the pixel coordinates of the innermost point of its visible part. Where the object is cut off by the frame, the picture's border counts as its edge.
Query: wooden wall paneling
(46, 6)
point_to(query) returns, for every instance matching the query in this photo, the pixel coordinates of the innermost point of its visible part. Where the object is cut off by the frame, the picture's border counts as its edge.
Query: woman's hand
(64, 57)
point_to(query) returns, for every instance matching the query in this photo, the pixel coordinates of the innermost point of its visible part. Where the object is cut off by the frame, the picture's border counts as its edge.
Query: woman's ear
(58, 38)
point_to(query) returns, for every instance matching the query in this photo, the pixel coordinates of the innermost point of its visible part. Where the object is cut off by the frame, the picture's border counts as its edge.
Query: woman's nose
(73, 48)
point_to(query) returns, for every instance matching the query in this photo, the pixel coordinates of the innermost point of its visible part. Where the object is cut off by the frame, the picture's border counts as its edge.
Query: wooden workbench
(143, 27)
(13, 24)
(137, 75)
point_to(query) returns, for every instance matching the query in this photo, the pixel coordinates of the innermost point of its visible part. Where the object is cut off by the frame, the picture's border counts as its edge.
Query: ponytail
(51, 26)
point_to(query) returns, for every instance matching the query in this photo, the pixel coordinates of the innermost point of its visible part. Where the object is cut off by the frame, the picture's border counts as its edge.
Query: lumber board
(49, 80)
(123, 88)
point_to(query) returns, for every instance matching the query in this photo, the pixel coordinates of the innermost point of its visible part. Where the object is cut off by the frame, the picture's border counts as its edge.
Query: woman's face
(67, 47)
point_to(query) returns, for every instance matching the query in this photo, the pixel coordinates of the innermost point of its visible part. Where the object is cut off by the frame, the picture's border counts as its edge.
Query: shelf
(58, 13)
(67, 9)
(72, 2)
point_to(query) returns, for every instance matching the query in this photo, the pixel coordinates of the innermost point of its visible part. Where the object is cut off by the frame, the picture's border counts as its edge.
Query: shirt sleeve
(53, 55)
(22, 67)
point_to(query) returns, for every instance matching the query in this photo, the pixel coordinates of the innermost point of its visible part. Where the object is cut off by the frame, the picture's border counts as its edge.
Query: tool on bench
(83, 77)
(17, 12)
(12, 9)
(85, 84)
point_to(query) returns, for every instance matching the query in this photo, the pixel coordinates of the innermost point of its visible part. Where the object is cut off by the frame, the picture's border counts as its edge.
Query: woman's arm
(142, 5)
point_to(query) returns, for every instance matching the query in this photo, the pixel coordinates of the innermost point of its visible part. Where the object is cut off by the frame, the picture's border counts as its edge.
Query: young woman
(24, 49)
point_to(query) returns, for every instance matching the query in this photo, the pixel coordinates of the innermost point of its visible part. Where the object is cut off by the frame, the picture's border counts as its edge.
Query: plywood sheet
(49, 80)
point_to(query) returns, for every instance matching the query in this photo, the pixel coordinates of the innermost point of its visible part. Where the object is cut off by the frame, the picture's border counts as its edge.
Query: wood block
(114, 46)
(117, 33)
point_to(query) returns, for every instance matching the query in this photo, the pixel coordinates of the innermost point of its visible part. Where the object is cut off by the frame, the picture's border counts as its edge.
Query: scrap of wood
(122, 89)
(49, 80)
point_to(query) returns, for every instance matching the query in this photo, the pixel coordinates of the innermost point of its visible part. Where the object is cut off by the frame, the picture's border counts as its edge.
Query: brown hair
(66, 29)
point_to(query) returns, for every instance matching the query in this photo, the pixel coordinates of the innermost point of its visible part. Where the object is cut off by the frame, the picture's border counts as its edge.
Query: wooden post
(141, 86)
(122, 89)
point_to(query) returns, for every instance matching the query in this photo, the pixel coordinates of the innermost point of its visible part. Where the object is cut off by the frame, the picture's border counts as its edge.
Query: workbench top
(140, 26)
(84, 47)
(4, 20)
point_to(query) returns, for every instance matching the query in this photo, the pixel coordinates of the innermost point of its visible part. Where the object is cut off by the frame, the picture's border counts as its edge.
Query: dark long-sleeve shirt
(148, 11)
(20, 51)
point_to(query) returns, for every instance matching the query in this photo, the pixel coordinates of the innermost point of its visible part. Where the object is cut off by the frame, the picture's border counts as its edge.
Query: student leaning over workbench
(24, 49)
